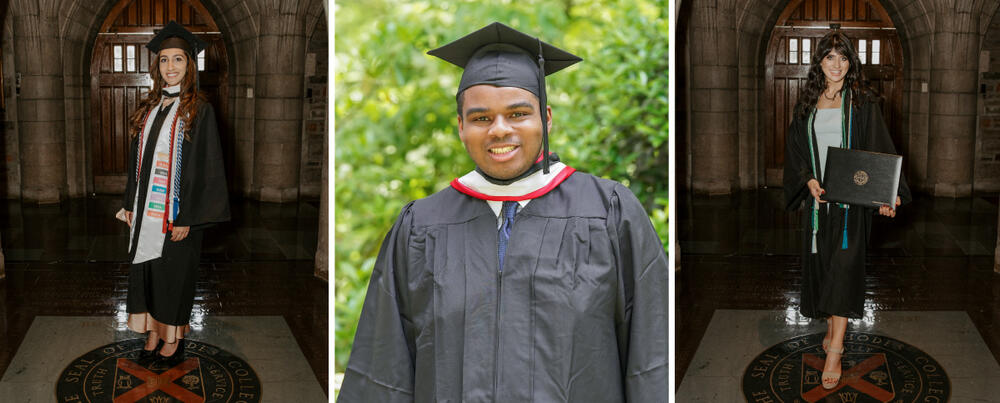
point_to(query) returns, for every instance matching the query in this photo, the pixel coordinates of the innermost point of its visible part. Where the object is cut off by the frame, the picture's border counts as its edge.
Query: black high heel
(176, 358)
(148, 355)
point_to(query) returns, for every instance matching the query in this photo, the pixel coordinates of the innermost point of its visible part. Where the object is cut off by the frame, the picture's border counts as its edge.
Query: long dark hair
(190, 98)
(861, 90)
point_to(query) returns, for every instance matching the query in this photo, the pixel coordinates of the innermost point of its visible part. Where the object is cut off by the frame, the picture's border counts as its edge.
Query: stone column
(953, 103)
(41, 108)
(714, 75)
(278, 107)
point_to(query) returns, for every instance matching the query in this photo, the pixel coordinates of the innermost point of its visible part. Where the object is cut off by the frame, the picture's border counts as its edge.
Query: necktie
(508, 210)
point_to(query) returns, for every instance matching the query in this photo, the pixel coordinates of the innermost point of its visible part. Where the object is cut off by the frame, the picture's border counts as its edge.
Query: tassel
(843, 245)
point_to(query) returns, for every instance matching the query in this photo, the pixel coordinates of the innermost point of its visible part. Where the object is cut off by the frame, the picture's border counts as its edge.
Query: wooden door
(792, 43)
(120, 79)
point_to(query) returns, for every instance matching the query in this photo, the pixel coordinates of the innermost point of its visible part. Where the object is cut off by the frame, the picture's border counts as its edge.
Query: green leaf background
(396, 136)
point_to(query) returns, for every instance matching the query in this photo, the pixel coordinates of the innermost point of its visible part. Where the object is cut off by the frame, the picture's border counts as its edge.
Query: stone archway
(119, 79)
(796, 34)
(726, 96)
(49, 119)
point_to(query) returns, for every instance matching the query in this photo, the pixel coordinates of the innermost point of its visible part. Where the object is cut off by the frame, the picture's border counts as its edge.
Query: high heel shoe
(176, 358)
(148, 355)
(831, 378)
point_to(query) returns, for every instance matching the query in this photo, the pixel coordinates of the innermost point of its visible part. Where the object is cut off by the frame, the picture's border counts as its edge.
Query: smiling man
(524, 281)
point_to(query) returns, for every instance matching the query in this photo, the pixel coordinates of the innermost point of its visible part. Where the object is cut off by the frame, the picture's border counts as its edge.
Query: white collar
(527, 188)
(173, 88)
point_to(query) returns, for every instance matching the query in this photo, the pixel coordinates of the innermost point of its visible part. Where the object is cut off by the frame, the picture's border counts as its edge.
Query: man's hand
(128, 218)
(179, 233)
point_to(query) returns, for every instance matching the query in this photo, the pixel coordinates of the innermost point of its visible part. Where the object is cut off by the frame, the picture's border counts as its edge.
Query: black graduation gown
(834, 278)
(579, 313)
(165, 286)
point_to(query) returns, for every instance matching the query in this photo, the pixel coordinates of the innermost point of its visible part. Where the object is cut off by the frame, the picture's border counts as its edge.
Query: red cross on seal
(853, 377)
(153, 382)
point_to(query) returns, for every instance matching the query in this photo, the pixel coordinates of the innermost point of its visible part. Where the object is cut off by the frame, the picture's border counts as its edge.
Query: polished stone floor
(735, 337)
(741, 253)
(53, 342)
(66, 260)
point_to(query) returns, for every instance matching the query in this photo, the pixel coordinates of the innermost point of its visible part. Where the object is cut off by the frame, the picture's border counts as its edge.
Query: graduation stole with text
(845, 141)
(162, 203)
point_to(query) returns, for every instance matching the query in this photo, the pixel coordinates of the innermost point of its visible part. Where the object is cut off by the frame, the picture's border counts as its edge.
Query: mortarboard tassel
(542, 106)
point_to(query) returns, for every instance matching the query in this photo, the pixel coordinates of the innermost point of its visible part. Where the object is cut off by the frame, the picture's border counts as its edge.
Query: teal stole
(845, 141)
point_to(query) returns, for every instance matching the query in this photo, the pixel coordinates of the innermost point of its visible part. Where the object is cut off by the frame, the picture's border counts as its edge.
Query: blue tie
(508, 211)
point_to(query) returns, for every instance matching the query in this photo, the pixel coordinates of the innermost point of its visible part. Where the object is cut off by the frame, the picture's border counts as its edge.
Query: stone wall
(236, 19)
(314, 109)
(714, 83)
(953, 100)
(41, 121)
(278, 109)
(10, 168)
(987, 168)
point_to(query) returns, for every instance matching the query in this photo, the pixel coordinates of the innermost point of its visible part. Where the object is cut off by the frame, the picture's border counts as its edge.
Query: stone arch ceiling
(80, 20)
(913, 19)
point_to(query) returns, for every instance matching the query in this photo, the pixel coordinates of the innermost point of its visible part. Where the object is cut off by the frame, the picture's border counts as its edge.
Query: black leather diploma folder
(861, 178)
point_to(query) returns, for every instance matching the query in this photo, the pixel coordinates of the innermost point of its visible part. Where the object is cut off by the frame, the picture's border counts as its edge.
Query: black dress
(578, 314)
(834, 278)
(161, 291)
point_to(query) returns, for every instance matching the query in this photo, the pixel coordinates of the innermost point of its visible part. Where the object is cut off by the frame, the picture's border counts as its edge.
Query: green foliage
(396, 135)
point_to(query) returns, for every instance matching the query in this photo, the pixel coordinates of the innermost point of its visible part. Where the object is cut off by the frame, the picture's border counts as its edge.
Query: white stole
(151, 236)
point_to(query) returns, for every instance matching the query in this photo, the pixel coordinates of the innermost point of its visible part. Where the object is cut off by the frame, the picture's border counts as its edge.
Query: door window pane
(862, 51)
(130, 58)
(793, 50)
(201, 61)
(876, 49)
(806, 50)
(117, 65)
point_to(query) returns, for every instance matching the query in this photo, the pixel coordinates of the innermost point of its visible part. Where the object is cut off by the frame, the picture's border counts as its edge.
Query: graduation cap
(502, 56)
(174, 35)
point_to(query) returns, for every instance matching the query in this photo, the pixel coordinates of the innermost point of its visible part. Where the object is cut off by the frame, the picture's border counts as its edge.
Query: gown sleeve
(797, 169)
(642, 313)
(130, 185)
(203, 196)
(880, 141)
(381, 367)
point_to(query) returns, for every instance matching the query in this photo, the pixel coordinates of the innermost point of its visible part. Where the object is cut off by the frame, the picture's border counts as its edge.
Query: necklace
(830, 98)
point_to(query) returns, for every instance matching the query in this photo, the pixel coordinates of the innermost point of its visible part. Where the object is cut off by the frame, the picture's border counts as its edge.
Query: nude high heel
(831, 378)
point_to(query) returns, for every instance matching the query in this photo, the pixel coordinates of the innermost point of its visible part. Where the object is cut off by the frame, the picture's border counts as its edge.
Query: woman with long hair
(176, 187)
(836, 108)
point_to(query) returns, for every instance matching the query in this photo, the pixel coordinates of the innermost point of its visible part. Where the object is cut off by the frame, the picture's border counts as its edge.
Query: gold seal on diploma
(860, 178)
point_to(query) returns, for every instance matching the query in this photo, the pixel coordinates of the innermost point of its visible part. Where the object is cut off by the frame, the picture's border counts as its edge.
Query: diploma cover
(862, 178)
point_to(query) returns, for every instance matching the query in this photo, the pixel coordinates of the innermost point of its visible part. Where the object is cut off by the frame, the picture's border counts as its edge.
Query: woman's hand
(179, 233)
(815, 190)
(888, 211)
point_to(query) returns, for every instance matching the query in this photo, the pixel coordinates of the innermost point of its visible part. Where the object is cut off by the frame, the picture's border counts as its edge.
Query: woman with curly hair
(836, 108)
(176, 187)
